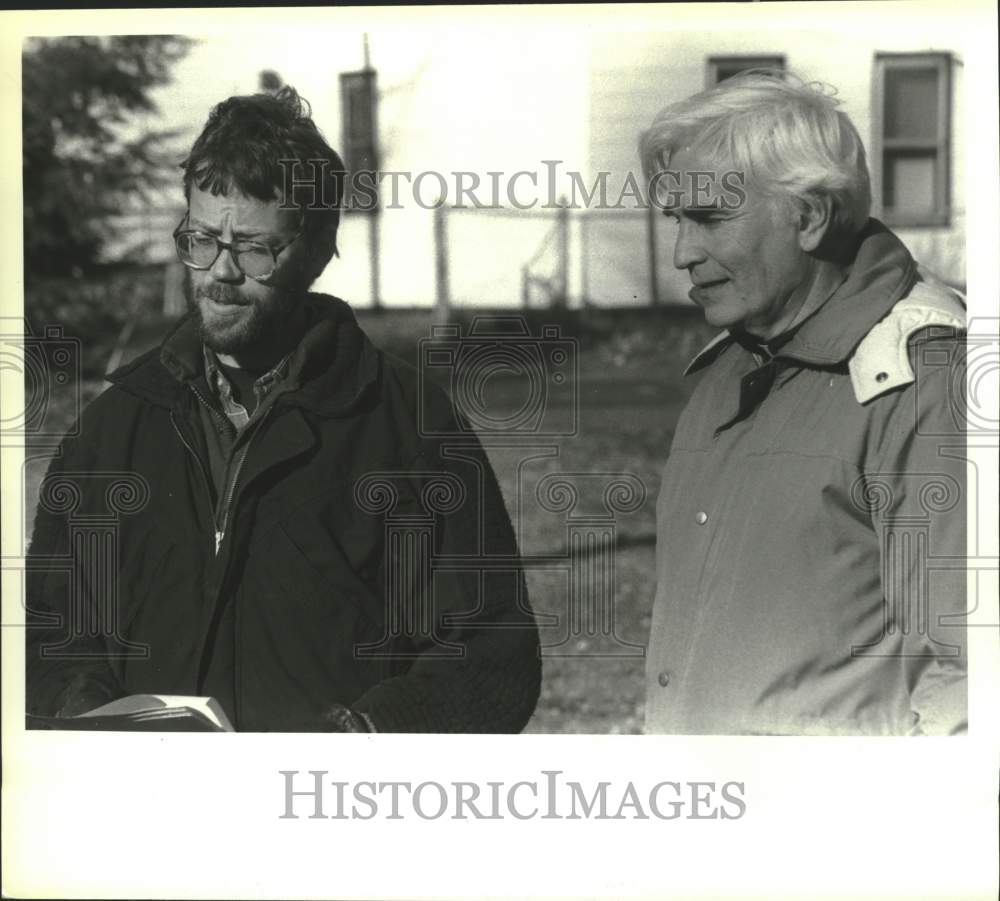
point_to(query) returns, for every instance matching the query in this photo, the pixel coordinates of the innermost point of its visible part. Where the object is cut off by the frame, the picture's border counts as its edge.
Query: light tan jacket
(811, 543)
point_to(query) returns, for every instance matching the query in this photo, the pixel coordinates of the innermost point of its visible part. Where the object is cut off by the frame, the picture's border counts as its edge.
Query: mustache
(222, 294)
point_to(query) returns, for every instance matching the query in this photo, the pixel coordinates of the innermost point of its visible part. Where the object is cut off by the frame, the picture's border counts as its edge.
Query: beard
(248, 323)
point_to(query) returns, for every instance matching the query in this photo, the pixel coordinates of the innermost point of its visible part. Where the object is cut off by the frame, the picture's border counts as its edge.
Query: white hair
(786, 136)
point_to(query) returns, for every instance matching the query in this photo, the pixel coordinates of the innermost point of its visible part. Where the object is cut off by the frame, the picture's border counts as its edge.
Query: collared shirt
(223, 389)
(227, 437)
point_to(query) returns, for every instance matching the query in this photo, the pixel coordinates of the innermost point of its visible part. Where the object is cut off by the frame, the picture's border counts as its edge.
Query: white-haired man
(811, 518)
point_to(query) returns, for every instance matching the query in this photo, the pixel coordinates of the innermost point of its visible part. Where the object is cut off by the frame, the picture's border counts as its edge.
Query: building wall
(506, 98)
(633, 75)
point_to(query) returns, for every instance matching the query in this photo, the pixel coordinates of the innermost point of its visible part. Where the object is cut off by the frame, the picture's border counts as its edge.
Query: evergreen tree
(79, 165)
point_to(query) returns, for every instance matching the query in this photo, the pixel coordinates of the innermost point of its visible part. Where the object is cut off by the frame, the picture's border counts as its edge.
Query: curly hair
(263, 145)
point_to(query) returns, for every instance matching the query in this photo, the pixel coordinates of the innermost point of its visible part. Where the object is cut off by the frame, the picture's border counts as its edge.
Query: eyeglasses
(199, 250)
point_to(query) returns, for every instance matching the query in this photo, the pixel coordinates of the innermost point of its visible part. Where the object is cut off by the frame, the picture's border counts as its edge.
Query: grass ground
(627, 417)
(630, 393)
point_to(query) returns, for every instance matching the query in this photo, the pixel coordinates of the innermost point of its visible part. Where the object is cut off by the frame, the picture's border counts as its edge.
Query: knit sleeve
(475, 664)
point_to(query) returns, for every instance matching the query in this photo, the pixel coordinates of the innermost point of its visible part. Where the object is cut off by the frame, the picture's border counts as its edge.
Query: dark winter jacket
(327, 586)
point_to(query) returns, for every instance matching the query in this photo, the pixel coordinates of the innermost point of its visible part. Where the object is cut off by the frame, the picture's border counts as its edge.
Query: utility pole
(374, 230)
(359, 142)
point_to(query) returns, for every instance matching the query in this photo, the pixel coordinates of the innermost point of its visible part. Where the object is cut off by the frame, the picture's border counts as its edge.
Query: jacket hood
(333, 367)
(882, 274)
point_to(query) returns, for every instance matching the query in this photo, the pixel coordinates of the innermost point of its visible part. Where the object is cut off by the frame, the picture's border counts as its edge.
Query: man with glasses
(270, 441)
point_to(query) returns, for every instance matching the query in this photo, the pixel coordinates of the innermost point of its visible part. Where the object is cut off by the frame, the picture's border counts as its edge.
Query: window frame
(940, 214)
(752, 60)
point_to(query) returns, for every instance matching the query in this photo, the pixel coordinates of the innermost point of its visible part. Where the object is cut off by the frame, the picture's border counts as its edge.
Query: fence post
(654, 277)
(559, 299)
(443, 291)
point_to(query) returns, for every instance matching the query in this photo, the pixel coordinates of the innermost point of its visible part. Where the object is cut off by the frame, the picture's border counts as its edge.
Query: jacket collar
(882, 273)
(333, 367)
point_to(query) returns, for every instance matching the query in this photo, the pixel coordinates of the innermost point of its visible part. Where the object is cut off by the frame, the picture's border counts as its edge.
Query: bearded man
(264, 443)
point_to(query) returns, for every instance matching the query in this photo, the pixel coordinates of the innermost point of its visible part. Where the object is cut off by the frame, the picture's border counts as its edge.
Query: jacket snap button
(701, 517)
(882, 376)
(663, 679)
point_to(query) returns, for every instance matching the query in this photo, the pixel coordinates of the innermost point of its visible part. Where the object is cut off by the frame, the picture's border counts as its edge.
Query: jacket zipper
(220, 533)
(231, 490)
(214, 414)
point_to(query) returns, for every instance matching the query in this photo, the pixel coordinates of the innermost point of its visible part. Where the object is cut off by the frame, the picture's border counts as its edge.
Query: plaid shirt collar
(223, 390)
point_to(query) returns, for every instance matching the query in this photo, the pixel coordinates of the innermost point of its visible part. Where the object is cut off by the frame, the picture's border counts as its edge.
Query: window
(358, 95)
(910, 137)
(720, 68)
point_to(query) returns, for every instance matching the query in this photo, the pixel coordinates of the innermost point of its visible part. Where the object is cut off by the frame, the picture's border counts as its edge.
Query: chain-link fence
(553, 257)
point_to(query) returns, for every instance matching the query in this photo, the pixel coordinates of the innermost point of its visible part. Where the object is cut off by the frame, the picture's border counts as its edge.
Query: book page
(131, 704)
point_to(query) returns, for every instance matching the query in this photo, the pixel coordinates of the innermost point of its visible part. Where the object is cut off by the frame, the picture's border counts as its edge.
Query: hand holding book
(145, 713)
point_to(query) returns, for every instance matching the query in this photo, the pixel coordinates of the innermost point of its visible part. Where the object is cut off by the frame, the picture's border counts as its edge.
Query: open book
(145, 713)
